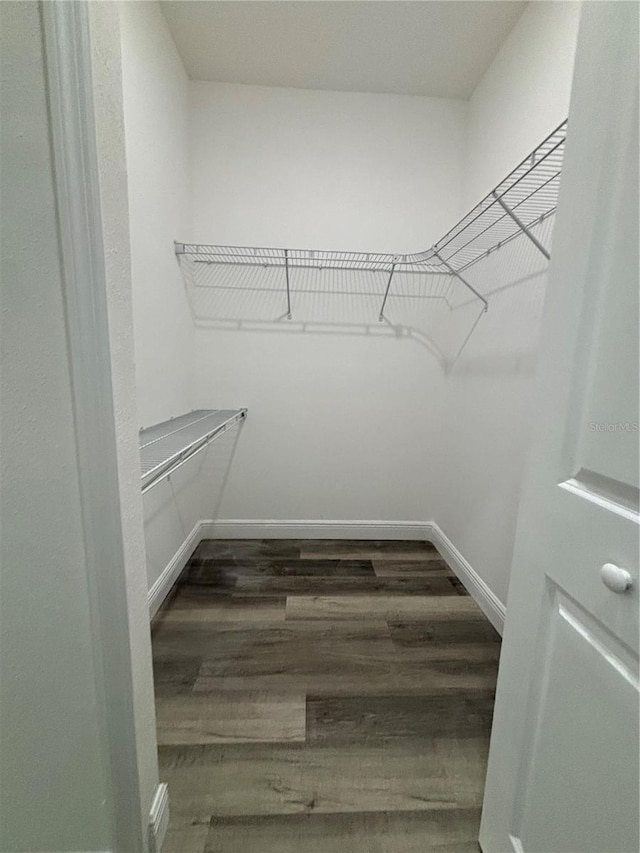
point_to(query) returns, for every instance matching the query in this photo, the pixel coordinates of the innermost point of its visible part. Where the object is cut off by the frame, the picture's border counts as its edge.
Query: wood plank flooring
(322, 696)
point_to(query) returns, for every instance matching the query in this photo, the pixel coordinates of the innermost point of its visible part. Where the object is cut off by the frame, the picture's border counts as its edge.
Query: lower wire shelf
(166, 446)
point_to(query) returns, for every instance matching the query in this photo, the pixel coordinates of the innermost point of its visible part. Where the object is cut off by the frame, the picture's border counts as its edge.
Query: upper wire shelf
(522, 201)
(525, 198)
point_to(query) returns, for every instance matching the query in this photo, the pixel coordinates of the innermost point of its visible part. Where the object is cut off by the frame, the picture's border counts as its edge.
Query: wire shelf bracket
(460, 278)
(386, 293)
(521, 225)
(286, 271)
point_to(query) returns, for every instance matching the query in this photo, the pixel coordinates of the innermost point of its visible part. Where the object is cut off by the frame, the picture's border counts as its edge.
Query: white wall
(523, 96)
(335, 427)
(156, 116)
(343, 411)
(487, 400)
(325, 170)
(155, 89)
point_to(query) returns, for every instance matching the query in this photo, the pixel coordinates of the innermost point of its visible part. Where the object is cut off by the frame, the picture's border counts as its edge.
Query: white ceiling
(434, 47)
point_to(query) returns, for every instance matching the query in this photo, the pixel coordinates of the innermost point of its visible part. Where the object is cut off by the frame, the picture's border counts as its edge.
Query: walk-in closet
(337, 295)
(322, 360)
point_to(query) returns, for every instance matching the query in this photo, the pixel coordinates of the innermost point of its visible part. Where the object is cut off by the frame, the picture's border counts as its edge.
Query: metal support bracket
(521, 225)
(386, 293)
(460, 278)
(286, 272)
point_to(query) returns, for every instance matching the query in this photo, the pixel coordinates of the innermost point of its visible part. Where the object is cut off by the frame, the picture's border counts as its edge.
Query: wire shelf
(166, 446)
(303, 258)
(521, 202)
(530, 192)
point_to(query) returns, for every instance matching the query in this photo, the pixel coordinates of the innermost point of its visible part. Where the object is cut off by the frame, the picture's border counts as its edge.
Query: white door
(563, 767)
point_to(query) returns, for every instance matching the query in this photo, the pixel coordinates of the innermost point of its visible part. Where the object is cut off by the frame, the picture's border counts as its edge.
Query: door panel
(573, 733)
(607, 436)
(563, 765)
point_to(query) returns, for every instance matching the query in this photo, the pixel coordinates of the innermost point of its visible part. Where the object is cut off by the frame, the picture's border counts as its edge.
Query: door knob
(615, 578)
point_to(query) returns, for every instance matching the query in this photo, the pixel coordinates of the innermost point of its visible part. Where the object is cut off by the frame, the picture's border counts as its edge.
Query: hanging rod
(524, 199)
(165, 447)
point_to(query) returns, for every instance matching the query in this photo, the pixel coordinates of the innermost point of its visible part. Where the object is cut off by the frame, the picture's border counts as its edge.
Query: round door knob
(615, 578)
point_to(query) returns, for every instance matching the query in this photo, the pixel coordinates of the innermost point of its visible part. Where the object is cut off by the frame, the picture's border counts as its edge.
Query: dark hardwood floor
(323, 697)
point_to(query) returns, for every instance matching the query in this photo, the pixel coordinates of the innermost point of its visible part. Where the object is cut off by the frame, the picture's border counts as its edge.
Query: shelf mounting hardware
(386, 293)
(460, 278)
(521, 225)
(286, 272)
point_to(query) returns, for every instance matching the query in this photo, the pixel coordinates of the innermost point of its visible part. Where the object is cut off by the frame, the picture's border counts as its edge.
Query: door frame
(69, 77)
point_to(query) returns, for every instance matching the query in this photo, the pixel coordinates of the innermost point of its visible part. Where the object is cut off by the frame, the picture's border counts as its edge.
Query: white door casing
(563, 766)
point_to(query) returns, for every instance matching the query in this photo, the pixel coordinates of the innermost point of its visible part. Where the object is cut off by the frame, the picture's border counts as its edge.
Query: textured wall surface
(54, 795)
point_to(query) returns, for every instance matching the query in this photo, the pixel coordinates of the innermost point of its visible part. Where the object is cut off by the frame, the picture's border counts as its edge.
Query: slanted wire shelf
(165, 447)
(522, 201)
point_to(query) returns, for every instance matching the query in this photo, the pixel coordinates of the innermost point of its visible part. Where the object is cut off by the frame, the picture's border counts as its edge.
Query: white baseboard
(169, 576)
(235, 528)
(159, 818)
(488, 602)
(268, 529)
